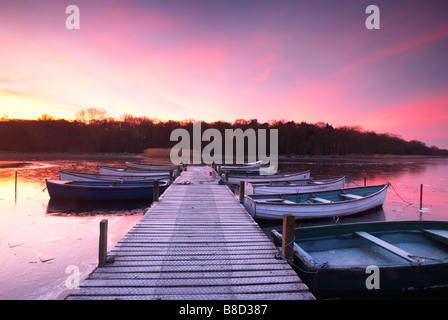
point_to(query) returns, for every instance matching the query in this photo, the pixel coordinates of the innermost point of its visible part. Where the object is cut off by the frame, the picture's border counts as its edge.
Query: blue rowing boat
(77, 190)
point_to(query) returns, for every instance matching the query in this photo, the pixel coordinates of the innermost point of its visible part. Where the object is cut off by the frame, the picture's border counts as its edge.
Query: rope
(399, 195)
(283, 247)
(352, 181)
(421, 257)
(37, 194)
(318, 266)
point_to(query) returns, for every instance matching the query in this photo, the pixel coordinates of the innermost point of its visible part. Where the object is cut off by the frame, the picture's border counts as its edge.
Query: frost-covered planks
(197, 242)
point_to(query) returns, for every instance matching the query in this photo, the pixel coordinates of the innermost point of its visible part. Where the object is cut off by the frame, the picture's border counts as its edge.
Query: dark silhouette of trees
(94, 132)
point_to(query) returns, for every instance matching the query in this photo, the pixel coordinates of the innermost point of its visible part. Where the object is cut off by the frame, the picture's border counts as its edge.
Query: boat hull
(298, 186)
(152, 167)
(275, 206)
(74, 176)
(244, 166)
(95, 191)
(334, 260)
(235, 179)
(132, 172)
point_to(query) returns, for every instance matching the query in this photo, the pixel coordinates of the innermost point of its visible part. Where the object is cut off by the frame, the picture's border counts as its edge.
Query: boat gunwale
(115, 177)
(131, 170)
(257, 202)
(275, 175)
(310, 264)
(331, 181)
(70, 184)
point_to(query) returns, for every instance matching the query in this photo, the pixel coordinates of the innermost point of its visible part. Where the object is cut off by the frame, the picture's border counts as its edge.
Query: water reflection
(403, 197)
(67, 231)
(86, 208)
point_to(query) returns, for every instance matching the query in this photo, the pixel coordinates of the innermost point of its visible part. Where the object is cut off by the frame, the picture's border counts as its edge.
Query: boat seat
(386, 245)
(350, 196)
(320, 200)
(271, 200)
(440, 235)
(277, 200)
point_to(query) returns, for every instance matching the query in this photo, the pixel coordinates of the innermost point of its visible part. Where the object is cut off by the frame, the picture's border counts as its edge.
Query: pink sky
(225, 60)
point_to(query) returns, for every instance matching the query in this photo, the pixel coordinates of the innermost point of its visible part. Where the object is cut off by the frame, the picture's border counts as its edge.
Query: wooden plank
(196, 242)
(440, 235)
(292, 287)
(383, 244)
(223, 296)
(185, 275)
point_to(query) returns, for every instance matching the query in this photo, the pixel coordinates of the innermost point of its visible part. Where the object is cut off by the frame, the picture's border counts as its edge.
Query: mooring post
(102, 253)
(171, 177)
(15, 186)
(288, 236)
(226, 176)
(421, 196)
(365, 181)
(155, 191)
(242, 191)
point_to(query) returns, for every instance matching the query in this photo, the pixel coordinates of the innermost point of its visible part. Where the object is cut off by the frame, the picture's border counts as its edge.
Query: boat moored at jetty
(295, 186)
(98, 191)
(339, 261)
(132, 172)
(327, 204)
(235, 179)
(77, 176)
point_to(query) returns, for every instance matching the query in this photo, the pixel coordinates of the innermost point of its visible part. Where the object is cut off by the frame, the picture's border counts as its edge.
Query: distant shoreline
(14, 156)
(8, 156)
(362, 156)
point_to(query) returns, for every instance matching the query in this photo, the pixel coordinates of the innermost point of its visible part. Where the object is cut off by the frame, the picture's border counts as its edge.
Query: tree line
(93, 132)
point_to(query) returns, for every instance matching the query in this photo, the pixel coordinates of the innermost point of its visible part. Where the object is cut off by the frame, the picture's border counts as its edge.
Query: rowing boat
(131, 172)
(324, 204)
(77, 190)
(295, 186)
(376, 258)
(243, 166)
(152, 167)
(235, 179)
(76, 176)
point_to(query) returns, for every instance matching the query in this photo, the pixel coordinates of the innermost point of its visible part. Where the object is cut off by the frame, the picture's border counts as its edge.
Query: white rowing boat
(316, 205)
(295, 186)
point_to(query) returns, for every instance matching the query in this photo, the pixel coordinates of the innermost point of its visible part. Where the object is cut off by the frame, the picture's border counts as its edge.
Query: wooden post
(242, 191)
(421, 196)
(171, 177)
(155, 191)
(288, 236)
(102, 253)
(15, 186)
(226, 175)
(365, 181)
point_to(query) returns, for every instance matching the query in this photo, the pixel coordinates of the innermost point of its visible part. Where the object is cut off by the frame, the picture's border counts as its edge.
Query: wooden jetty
(198, 242)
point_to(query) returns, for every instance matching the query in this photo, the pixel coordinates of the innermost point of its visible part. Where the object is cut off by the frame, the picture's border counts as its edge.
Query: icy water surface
(42, 241)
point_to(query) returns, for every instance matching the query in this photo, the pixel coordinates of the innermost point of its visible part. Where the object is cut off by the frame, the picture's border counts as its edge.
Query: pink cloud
(409, 43)
(426, 118)
(262, 76)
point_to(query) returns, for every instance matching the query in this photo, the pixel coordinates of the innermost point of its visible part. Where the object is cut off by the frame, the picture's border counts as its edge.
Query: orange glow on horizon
(220, 61)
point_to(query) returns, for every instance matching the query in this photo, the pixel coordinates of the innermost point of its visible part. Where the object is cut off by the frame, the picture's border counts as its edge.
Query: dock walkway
(197, 242)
